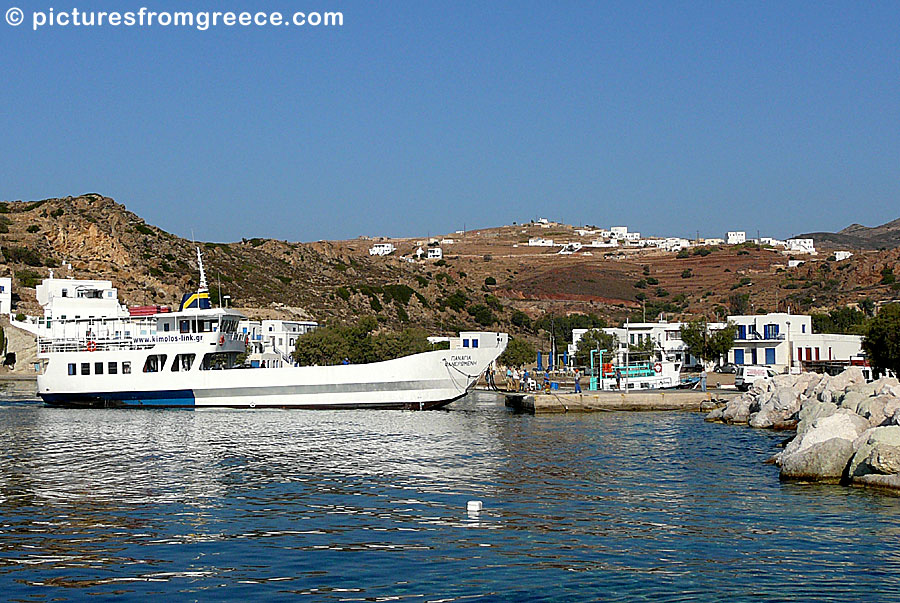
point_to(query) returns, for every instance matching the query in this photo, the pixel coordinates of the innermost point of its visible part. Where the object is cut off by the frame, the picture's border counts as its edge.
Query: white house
(795, 263)
(382, 249)
(735, 237)
(840, 256)
(801, 246)
(435, 253)
(270, 342)
(714, 241)
(5, 295)
(618, 232)
(539, 242)
(782, 341)
(666, 338)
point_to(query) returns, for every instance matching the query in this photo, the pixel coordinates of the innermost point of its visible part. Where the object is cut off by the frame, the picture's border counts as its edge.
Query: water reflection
(356, 505)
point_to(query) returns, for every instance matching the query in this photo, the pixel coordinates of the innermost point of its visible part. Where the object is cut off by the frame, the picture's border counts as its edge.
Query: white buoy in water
(474, 506)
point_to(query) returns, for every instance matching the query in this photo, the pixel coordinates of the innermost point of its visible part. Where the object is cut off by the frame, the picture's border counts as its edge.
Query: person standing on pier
(577, 381)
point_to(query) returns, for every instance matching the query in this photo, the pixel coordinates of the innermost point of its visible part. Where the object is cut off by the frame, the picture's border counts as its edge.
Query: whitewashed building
(618, 232)
(5, 295)
(435, 253)
(780, 340)
(666, 338)
(735, 237)
(840, 256)
(382, 249)
(270, 342)
(540, 242)
(801, 246)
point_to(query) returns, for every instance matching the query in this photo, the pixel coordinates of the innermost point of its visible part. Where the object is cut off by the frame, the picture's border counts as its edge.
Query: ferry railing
(46, 346)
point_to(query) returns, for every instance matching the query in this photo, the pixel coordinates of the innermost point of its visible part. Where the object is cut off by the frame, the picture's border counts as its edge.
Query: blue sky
(422, 117)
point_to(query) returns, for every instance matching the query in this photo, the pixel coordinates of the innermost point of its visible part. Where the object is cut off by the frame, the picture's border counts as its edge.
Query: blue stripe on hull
(164, 398)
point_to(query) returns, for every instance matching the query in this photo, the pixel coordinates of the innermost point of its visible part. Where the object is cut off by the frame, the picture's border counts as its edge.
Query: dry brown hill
(857, 236)
(488, 276)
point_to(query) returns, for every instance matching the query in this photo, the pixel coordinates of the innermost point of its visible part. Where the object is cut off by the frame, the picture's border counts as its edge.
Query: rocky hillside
(487, 278)
(857, 236)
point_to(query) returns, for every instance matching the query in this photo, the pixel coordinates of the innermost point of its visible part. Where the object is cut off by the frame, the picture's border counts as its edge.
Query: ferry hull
(186, 400)
(420, 382)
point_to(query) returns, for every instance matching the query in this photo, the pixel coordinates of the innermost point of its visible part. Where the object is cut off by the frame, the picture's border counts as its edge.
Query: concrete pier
(676, 399)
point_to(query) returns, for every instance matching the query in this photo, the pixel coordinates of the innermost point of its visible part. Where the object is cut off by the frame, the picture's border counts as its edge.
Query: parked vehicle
(745, 376)
(728, 367)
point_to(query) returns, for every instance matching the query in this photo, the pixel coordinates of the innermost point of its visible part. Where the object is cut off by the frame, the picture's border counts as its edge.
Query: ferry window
(113, 368)
(154, 363)
(465, 343)
(126, 368)
(98, 368)
(184, 326)
(166, 327)
(85, 368)
(183, 362)
(474, 343)
(71, 368)
(65, 293)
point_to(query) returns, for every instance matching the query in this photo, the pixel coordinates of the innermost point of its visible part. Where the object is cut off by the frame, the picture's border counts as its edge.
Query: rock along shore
(848, 431)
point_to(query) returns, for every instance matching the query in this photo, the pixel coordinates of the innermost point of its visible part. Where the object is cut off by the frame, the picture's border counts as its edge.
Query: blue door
(770, 355)
(742, 332)
(753, 356)
(739, 356)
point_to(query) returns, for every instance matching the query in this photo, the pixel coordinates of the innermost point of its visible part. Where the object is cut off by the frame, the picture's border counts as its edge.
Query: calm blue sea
(371, 506)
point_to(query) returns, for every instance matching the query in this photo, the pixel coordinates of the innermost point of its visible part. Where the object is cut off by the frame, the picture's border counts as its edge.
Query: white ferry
(189, 358)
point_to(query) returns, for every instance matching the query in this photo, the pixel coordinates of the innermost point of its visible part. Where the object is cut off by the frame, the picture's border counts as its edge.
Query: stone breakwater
(848, 431)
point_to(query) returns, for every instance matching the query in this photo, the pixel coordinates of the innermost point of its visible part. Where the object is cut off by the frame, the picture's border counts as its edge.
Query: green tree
(521, 320)
(482, 314)
(595, 339)
(882, 340)
(844, 320)
(707, 345)
(867, 305)
(518, 353)
(326, 345)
